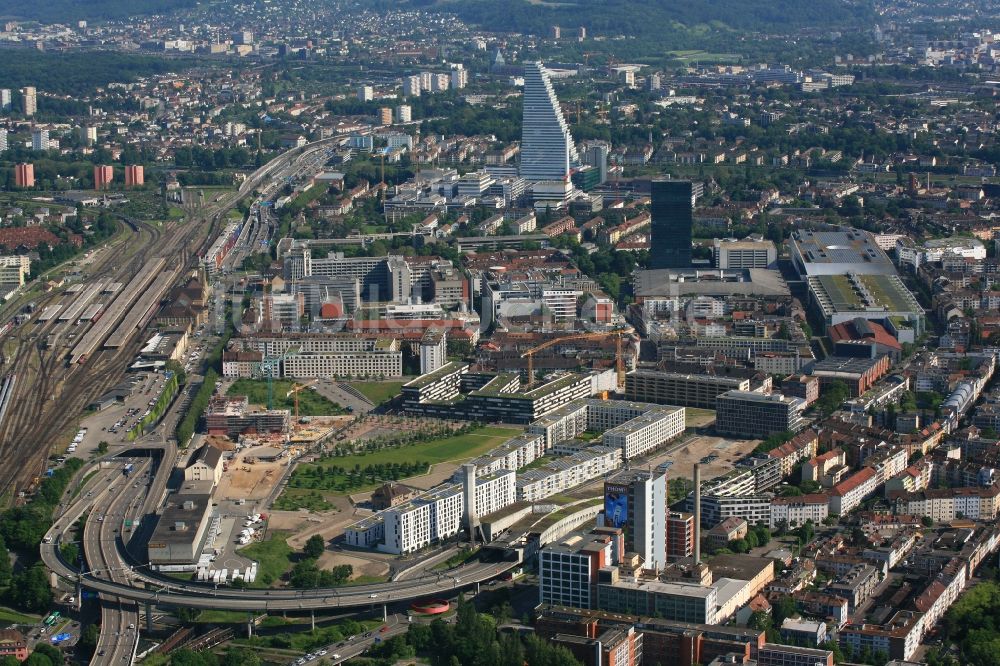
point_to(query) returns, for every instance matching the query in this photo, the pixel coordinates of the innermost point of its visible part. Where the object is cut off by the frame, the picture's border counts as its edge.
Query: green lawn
(694, 416)
(459, 447)
(311, 403)
(214, 616)
(378, 392)
(272, 556)
(293, 499)
(10, 616)
(309, 485)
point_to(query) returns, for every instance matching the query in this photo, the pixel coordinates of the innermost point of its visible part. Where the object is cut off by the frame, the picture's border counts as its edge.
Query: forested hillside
(70, 11)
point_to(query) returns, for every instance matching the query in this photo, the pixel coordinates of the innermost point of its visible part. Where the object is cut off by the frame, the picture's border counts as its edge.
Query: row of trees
(472, 641)
(21, 530)
(335, 477)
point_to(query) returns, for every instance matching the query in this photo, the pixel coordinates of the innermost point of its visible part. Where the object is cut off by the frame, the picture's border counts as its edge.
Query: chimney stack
(697, 513)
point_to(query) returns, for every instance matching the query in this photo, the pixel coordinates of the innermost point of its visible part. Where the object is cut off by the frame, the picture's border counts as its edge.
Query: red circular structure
(431, 607)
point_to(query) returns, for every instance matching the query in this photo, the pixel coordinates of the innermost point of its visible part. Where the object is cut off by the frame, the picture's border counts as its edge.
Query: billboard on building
(615, 506)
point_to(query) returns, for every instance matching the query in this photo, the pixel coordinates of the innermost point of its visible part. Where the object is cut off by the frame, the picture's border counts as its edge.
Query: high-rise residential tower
(636, 500)
(547, 149)
(670, 235)
(30, 101)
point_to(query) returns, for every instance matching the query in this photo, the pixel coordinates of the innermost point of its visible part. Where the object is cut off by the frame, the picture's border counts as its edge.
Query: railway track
(50, 395)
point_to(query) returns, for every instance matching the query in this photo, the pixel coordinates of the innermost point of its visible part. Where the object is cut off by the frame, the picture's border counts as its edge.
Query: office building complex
(671, 388)
(756, 415)
(547, 149)
(453, 392)
(568, 570)
(670, 233)
(636, 500)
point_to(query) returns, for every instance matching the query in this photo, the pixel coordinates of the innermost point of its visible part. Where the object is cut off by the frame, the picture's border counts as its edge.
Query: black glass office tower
(670, 236)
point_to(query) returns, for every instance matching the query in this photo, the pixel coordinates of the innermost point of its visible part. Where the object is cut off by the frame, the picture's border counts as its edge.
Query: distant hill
(71, 11)
(646, 18)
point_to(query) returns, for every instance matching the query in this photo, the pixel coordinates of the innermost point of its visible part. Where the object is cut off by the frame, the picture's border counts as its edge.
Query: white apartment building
(513, 454)
(567, 472)
(439, 82)
(431, 517)
(366, 93)
(796, 511)
(412, 86)
(14, 269)
(849, 493)
(646, 432)
(945, 505)
(404, 114)
(459, 78)
(563, 424)
(495, 492)
(347, 364)
(433, 351)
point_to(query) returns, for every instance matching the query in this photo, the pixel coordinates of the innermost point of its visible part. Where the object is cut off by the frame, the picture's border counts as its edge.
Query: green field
(378, 392)
(459, 447)
(293, 499)
(311, 483)
(694, 416)
(704, 56)
(272, 556)
(310, 402)
(9, 616)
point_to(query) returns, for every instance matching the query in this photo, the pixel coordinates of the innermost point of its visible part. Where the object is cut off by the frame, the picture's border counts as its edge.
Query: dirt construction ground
(250, 482)
(692, 451)
(330, 524)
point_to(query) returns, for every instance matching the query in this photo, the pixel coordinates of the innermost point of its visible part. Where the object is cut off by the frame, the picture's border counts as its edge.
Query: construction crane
(269, 368)
(295, 392)
(619, 359)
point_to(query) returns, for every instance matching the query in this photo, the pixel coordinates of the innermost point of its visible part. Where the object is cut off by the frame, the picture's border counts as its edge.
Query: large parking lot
(112, 424)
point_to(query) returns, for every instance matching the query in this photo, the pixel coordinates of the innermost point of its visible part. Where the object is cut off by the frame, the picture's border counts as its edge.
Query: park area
(377, 392)
(339, 474)
(310, 402)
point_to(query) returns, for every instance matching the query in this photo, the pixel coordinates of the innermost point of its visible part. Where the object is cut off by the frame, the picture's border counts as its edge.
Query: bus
(52, 618)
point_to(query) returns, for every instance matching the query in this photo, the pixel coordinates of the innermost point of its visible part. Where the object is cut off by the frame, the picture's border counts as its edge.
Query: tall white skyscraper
(3, 140)
(5, 99)
(547, 148)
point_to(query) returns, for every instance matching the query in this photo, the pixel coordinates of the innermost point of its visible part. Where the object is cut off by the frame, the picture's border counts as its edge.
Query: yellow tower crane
(619, 359)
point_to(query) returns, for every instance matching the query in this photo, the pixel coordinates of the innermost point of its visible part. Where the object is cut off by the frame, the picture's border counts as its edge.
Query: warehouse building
(179, 535)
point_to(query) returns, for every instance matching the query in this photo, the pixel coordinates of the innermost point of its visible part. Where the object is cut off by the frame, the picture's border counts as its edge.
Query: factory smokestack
(697, 513)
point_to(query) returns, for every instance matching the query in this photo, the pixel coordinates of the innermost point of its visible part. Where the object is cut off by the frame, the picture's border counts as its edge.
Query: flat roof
(709, 282)
(844, 246)
(853, 292)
